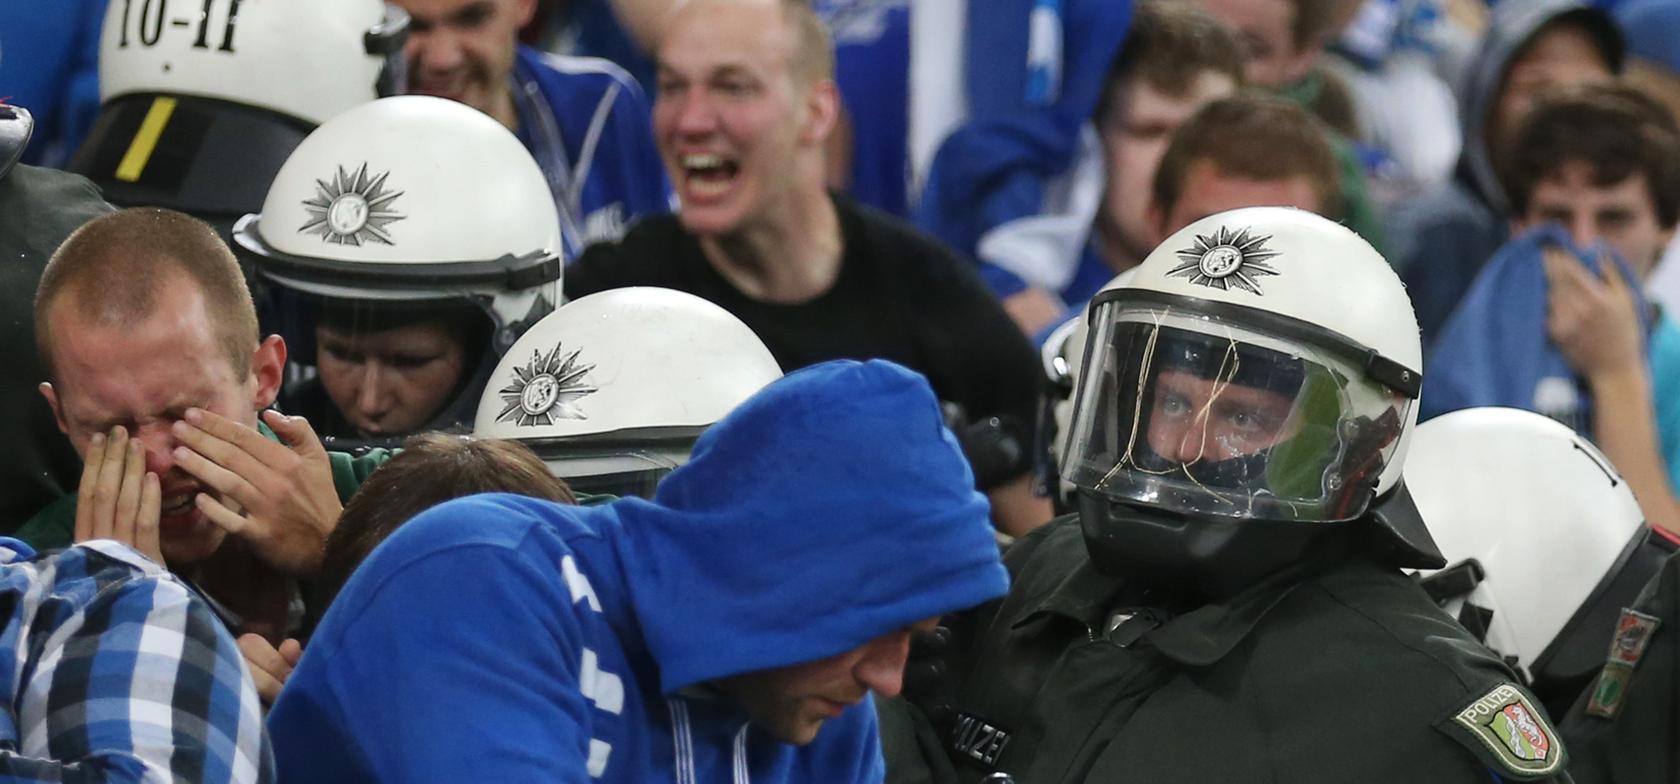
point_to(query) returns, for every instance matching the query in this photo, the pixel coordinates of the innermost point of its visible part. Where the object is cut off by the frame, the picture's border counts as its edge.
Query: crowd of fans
(269, 265)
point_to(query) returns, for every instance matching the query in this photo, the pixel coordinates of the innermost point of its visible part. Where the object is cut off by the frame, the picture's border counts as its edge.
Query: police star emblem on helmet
(352, 209)
(546, 389)
(1227, 259)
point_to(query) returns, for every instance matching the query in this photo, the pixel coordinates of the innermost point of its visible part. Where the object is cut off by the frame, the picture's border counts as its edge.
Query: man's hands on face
(283, 501)
(1593, 320)
(269, 666)
(118, 498)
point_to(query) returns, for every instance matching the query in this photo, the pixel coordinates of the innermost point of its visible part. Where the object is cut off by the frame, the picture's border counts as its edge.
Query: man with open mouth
(746, 103)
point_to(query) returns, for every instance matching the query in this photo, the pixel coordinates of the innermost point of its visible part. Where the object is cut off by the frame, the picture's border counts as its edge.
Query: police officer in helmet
(405, 245)
(199, 110)
(590, 387)
(1227, 602)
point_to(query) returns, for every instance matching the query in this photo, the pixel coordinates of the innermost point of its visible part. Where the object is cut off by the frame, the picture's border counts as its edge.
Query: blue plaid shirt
(116, 671)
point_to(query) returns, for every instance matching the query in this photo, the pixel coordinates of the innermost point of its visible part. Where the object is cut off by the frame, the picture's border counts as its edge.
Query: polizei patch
(1226, 259)
(978, 740)
(1514, 734)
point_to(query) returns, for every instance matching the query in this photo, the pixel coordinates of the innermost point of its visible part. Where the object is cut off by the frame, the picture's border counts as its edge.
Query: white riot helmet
(1254, 383)
(201, 105)
(613, 389)
(404, 210)
(1546, 541)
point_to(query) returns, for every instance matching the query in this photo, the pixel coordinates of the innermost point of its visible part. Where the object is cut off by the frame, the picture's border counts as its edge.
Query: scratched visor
(1202, 414)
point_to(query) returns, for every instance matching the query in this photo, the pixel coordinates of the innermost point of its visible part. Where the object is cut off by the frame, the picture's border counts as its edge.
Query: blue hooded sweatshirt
(506, 639)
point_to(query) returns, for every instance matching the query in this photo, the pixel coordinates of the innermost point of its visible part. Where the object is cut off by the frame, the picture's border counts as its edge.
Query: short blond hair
(116, 265)
(812, 59)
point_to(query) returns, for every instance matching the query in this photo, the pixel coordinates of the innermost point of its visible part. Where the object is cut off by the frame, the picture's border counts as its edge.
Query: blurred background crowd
(942, 183)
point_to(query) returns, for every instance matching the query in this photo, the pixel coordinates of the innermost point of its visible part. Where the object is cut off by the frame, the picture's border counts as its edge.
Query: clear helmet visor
(630, 471)
(1199, 415)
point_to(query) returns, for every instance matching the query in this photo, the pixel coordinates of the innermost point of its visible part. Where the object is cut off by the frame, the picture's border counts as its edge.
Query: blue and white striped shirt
(116, 671)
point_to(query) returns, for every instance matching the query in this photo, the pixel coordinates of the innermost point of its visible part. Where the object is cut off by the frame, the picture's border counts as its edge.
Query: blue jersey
(872, 67)
(587, 124)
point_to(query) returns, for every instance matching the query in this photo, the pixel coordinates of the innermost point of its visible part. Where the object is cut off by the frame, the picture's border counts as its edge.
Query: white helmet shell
(412, 198)
(1301, 266)
(622, 364)
(309, 59)
(410, 179)
(1538, 506)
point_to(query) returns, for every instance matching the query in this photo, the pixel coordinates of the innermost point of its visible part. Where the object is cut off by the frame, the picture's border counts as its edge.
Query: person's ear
(822, 112)
(1307, 54)
(524, 11)
(51, 395)
(268, 371)
(1156, 219)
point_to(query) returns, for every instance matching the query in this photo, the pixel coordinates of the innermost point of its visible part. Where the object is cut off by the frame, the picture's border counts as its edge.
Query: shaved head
(113, 268)
(811, 49)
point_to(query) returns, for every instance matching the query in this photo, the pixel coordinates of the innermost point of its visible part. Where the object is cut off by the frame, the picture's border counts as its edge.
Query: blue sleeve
(599, 34)
(457, 665)
(1027, 107)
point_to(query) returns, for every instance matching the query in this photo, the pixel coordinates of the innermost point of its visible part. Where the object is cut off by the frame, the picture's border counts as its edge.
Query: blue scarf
(1494, 350)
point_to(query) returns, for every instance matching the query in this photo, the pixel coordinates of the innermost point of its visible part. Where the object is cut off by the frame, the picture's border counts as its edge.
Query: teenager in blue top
(1558, 321)
(1441, 238)
(732, 628)
(1175, 59)
(1245, 150)
(584, 120)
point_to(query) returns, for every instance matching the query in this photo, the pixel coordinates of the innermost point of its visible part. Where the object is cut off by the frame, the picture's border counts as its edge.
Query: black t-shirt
(899, 296)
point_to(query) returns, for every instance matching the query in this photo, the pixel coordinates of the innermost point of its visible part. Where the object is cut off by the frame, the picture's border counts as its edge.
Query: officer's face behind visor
(1198, 421)
(1200, 416)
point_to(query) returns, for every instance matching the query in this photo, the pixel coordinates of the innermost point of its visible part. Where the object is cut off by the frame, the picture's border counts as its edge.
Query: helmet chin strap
(1209, 557)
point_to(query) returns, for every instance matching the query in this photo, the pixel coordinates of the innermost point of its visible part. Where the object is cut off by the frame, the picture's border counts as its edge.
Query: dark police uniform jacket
(1626, 727)
(39, 208)
(1335, 670)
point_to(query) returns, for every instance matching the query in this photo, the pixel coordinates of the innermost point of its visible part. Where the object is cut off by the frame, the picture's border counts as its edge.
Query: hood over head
(1512, 25)
(827, 510)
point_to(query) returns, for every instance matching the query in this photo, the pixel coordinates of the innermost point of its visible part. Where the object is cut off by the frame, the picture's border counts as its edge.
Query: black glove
(996, 447)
